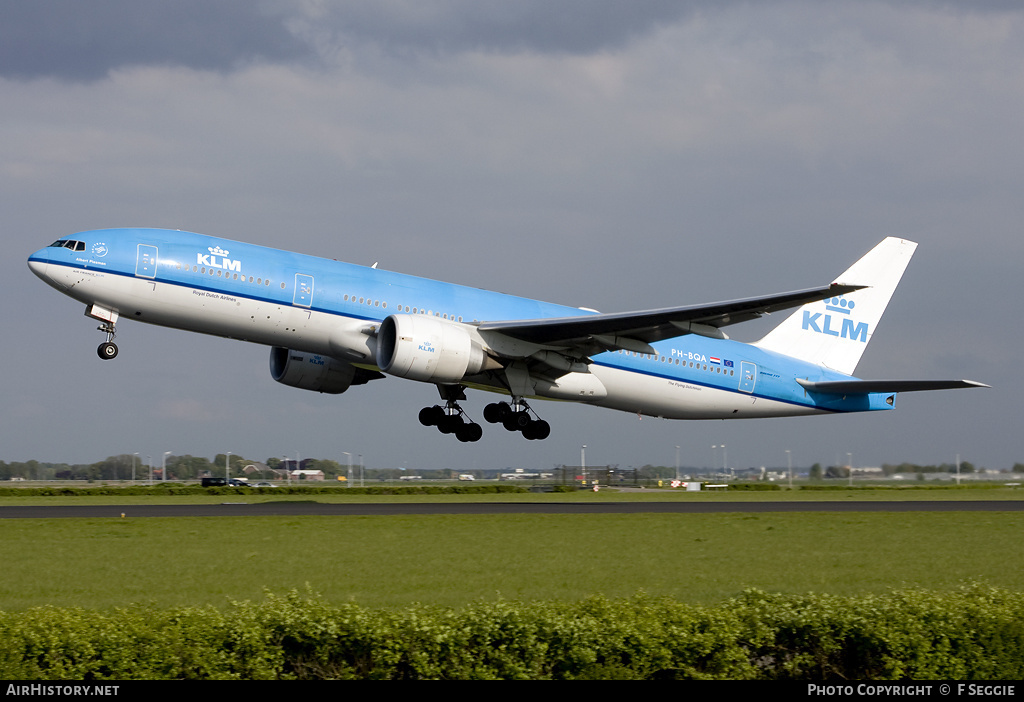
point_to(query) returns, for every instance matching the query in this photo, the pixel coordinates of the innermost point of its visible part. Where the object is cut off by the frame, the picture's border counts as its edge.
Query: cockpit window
(69, 244)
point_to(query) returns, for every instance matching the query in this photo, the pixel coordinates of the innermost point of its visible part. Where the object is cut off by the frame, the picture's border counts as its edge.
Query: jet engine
(428, 349)
(311, 371)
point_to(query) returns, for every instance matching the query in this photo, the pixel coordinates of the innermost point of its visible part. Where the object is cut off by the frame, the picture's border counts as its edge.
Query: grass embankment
(454, 560)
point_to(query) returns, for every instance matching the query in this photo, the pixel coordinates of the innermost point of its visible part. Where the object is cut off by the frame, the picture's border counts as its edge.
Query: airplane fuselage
(333, 309)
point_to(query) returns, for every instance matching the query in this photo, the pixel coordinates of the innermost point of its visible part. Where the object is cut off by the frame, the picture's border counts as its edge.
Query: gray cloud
(74, 40)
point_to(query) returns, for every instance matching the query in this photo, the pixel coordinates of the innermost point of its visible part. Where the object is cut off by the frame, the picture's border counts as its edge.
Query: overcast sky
(613, 155)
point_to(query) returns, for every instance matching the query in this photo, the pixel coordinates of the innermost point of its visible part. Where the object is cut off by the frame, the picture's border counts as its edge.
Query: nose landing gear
(107, 318)
(108, 349)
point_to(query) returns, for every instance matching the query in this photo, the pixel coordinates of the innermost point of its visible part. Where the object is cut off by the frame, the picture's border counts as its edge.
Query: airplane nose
(38, 266)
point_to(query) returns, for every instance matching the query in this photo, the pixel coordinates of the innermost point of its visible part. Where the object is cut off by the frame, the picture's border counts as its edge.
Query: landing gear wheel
(537, 430)
(431, 416)
(516, 421)
(496, 412)
(451, 423)
(107, 350)
(468, 433)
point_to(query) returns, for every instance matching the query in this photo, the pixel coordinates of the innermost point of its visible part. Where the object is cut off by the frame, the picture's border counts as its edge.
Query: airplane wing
(635, 331)
(857, 387)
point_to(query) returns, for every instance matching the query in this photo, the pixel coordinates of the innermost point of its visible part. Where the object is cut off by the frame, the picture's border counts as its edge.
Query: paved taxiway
(284, 508)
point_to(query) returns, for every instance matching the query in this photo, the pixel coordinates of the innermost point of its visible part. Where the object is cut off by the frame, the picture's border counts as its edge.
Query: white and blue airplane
(332, 325)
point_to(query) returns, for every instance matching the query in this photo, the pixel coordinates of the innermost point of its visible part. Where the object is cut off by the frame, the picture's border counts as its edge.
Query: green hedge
(974, 633)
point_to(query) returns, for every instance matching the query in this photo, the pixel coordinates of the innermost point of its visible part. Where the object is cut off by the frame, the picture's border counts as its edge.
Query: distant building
(307, 475)
(264, 471)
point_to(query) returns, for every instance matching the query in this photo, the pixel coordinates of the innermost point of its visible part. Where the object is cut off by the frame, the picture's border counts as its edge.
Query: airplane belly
(212, 312)
(673, 398)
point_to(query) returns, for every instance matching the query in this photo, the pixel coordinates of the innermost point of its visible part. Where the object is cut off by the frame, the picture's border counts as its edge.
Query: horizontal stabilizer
(857, 387)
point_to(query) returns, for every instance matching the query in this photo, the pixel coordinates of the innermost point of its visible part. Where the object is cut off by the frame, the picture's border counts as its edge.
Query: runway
(295, 509)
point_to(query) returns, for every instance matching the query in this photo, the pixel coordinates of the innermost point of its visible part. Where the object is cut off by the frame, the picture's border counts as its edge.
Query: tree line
(187, 467)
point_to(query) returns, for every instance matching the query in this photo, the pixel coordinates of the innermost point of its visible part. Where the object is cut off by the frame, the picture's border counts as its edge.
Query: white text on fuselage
(211, 261)
(701, 358)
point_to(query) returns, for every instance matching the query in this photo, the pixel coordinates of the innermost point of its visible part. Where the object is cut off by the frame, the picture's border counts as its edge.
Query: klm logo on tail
(842, 327)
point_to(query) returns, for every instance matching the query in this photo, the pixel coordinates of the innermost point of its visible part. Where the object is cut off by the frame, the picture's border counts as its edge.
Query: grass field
(452, 560)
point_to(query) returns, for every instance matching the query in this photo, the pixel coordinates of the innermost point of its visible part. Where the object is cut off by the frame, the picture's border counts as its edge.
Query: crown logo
(217, 251)
(839, 304)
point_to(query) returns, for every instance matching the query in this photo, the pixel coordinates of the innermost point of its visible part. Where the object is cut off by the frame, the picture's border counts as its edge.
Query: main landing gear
(452, 419)
(108, 349)
(516, 417)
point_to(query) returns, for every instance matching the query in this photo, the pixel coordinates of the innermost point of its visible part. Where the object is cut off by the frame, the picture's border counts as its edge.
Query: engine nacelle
(428, 349)
(310, 371)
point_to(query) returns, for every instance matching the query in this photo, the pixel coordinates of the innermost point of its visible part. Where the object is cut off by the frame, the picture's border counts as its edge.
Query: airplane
(332, 325)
